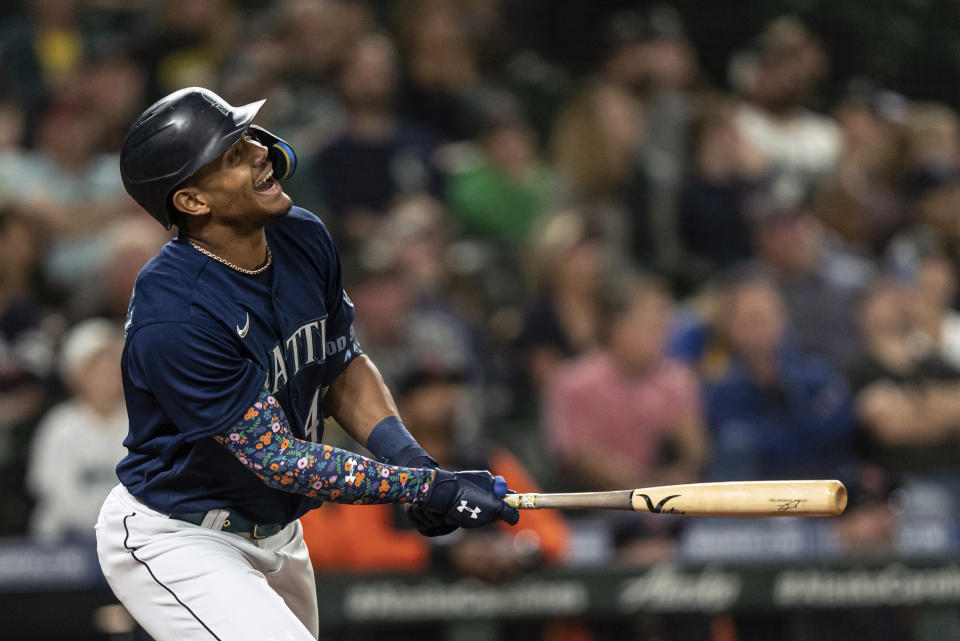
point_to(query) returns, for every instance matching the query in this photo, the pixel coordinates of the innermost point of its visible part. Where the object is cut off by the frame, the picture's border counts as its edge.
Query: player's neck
(245, 250)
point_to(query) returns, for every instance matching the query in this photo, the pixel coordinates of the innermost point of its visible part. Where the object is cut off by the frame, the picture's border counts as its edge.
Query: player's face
(241, 186)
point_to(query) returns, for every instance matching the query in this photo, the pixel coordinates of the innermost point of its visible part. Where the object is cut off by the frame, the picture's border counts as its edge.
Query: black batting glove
(430, 523)
(469, 499)
(427, 523)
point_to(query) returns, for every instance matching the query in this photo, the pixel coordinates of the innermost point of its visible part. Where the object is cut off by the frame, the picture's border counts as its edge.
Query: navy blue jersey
(202, 342)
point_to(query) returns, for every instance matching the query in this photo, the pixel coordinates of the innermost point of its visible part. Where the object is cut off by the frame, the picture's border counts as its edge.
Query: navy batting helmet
(178, 135)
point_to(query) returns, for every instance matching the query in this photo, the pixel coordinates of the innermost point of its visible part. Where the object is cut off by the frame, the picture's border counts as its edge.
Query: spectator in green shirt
(496, 195)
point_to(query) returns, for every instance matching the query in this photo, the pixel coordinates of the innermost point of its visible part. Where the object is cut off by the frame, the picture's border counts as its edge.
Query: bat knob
(500, 487)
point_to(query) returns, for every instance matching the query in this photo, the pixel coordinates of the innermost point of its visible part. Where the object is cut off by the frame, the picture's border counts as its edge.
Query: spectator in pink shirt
(626, 415)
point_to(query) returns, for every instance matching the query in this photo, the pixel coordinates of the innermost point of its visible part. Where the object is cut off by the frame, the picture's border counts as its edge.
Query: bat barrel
(745, 498)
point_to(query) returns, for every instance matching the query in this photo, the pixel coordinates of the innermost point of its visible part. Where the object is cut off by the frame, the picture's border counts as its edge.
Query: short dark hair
(617, 294)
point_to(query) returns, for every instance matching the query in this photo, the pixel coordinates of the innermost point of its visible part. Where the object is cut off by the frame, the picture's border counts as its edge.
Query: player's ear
(191, 201)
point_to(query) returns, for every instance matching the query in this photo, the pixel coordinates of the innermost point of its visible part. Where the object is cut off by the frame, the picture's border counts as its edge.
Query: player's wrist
(390, 442)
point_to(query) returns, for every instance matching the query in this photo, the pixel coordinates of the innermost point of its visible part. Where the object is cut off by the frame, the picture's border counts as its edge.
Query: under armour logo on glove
(453, 494)
(465, 508)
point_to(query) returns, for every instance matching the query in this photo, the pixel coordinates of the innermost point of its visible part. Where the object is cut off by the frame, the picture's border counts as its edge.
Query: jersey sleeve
(200, 381)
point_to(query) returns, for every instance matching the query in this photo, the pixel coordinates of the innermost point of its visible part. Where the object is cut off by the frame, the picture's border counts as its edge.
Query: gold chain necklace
(250, 272)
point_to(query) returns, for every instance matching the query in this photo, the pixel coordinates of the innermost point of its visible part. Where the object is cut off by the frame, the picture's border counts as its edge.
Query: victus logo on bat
(658, 508)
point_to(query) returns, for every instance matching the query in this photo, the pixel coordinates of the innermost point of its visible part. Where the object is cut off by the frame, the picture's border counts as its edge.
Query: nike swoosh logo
(243, 331)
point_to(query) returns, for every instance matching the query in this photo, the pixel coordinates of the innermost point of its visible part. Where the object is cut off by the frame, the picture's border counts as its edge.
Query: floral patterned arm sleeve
(263, 442)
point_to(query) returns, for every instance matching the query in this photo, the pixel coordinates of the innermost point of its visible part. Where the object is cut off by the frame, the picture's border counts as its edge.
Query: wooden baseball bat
(737, 498)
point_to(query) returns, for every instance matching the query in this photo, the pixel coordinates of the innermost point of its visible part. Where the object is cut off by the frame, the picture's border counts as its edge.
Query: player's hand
(470, 499)
(430, 523)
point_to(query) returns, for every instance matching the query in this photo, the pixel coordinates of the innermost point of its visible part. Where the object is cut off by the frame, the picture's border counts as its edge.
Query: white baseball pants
(181, 581)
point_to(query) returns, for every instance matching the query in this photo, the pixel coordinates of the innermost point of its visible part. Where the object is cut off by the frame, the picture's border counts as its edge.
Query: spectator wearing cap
(78, 443)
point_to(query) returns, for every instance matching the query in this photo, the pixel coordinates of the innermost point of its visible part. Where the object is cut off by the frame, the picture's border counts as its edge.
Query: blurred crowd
(598, 276)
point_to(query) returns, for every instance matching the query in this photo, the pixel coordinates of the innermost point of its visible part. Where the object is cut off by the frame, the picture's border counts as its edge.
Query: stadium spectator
(933, 197)
(712, 214)
(778, 80)
(78, 443)
(497, 194)
(129, 244)
(861, 200)
(603, 113)
(185, 44)
(566, 262)
(651, 56)
(379, 156)
(114, 88)
(27, 357)
(817, 277)
(316, 37)
(441, 74)
(71, 188)
(906, 393)
(626, 415)
(935, 291)
(698, 337)
(12, 127)
(40, 49)
(396, 330)
(778, 412)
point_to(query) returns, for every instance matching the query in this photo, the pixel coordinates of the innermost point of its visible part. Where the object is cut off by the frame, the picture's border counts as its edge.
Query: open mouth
(267, 184)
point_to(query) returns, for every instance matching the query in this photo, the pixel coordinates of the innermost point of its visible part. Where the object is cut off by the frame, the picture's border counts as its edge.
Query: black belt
(234, 523)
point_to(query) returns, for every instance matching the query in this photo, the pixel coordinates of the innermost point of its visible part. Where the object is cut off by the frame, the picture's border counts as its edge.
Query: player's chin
(279, 206)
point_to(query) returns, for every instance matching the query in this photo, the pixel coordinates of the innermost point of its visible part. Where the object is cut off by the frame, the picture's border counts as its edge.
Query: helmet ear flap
(279, 151)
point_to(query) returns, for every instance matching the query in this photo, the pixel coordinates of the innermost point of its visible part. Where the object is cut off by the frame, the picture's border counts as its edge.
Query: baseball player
(239, 342)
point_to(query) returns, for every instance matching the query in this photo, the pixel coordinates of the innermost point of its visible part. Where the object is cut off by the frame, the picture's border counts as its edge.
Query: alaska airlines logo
(658, 508)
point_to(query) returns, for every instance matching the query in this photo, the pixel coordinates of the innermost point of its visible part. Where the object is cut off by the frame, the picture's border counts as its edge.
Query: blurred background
(592, 245)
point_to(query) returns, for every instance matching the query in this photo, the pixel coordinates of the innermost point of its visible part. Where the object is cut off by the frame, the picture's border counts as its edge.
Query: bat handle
(521, 501)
